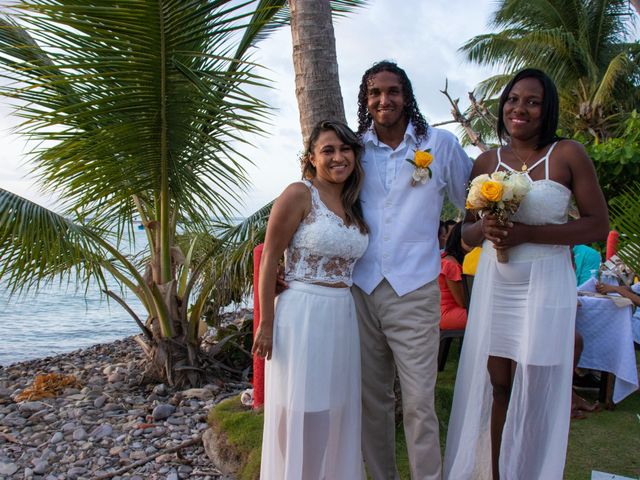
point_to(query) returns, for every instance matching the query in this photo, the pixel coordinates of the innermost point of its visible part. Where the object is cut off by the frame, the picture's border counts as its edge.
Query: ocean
(60, 318)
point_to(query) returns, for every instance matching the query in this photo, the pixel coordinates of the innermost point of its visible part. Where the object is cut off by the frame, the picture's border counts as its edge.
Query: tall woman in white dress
(312, 402)
(512, 399)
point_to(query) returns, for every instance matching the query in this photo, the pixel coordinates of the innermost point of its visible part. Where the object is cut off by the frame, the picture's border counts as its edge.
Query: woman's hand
(263, 341)
(494, 230)
(603, 288)
(516, 234)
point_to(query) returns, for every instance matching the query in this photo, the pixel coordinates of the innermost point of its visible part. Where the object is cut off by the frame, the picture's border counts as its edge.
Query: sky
(422, 36)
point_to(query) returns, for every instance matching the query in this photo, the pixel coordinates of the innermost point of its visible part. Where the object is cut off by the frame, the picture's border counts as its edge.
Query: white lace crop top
(323, 249)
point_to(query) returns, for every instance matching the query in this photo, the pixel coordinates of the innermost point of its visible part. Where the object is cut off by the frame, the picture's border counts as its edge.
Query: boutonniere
(421, 161)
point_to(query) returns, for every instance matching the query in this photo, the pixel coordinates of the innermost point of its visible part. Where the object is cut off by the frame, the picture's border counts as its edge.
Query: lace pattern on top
(323, 249)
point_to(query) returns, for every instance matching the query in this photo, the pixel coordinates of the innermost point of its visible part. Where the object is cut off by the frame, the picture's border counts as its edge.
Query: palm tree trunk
(315, 64)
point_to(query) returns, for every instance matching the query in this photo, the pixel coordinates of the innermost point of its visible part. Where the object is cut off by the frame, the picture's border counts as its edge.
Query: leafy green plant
(617, 160)
(138, 108)
(625, 218)
(584, 45)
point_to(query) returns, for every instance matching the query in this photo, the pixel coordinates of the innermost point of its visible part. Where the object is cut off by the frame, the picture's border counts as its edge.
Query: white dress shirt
(404, 219)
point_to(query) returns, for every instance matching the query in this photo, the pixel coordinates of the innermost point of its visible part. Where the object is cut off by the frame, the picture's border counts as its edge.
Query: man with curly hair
(395, 282)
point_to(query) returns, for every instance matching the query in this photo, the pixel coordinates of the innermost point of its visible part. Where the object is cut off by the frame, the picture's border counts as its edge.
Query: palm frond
(618, 67)
(625, 218)
(38, 246)
(140, 103)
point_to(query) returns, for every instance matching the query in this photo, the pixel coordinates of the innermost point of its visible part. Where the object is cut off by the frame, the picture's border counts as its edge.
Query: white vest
(403, 223)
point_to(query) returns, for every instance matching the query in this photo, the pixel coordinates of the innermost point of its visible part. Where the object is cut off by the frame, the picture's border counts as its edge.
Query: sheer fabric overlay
(312, 382)
(523, 310)
(323, 249)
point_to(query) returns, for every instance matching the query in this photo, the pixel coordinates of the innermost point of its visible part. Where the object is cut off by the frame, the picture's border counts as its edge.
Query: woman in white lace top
(512, 399)
(310, 335)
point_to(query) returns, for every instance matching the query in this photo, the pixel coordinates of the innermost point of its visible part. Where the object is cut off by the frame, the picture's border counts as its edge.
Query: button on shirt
(387, 160)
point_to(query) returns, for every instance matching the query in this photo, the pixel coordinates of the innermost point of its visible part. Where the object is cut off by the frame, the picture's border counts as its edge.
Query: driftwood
(138, 463)
(478, 109)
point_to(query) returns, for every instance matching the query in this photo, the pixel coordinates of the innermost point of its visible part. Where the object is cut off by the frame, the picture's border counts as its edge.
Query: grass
(242, 429)
(607, 441)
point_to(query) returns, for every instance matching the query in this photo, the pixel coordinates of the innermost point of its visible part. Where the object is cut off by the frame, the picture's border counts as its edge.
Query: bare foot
(580, 404)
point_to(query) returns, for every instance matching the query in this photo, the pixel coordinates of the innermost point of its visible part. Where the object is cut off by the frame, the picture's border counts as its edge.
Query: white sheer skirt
(312, 388)
(523, 310)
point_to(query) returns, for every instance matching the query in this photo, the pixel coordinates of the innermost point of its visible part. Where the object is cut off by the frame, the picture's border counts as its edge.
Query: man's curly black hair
(411, 109)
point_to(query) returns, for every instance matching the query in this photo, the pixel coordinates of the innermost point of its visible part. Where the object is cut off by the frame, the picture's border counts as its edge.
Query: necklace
(524, 167)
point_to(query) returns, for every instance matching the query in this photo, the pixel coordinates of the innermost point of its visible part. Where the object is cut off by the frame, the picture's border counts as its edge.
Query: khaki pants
(403, 333)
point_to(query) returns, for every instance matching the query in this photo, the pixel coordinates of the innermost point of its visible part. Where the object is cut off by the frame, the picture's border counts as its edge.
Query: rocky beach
(106, 424)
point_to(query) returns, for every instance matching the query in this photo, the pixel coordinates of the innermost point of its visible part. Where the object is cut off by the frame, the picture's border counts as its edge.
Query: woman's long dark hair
(411, 109)
(550, 106)
(453, 244)
(351, 192)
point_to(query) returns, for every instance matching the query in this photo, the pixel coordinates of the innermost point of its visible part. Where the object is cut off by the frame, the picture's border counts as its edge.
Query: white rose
(520, 185)
(475, 200)
(479, 180)
(507, 190)
(499, 176)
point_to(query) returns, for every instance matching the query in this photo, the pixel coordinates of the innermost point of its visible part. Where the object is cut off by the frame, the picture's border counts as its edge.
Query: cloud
(423, 37)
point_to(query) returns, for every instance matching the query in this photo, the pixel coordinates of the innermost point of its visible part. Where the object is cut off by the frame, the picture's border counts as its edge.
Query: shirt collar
(371, 136)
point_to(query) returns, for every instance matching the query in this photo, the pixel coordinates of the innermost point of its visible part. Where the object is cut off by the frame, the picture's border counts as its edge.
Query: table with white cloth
(608, 342)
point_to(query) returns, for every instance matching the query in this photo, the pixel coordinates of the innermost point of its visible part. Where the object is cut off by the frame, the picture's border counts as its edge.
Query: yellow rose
(492, 191)
(422, 159)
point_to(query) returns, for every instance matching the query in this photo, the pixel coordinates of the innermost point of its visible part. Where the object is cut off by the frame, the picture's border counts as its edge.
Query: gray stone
(200, 393)
(13, 421)
(68, 427)
(8, 468)
(115, 378)
(75, 472)
(173, 476)
(57, 437)
(40, 467)
(80, 434)
(100, 401)
(216, 450)
(31, 407)
(163, 411)
(101, 431)
(160, 389)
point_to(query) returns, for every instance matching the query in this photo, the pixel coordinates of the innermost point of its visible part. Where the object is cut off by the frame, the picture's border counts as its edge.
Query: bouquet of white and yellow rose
(499, 194)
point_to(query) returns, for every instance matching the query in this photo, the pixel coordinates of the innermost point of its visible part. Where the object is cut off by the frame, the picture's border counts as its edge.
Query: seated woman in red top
(452, 302)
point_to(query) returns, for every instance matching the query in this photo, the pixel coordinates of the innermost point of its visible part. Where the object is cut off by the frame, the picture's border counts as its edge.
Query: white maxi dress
(523, 310)
(312, 382)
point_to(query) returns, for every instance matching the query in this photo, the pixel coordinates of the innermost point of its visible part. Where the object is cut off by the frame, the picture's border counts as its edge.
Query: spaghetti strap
(544, 159)
(547, 156)
(499, 160)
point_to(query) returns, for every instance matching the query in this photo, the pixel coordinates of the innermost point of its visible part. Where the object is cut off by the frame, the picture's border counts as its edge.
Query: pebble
(163, 411)
(8, 468)
(109, 422)
(40, 467)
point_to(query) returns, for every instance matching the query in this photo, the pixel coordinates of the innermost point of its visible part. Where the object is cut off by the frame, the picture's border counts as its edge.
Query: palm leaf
(38, 246)
(625, 218)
